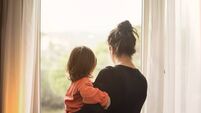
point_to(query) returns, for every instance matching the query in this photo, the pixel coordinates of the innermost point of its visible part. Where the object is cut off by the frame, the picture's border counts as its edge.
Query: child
(80, 66)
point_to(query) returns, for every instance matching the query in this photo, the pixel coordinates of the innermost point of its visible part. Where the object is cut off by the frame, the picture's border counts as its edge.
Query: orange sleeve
(92, 95)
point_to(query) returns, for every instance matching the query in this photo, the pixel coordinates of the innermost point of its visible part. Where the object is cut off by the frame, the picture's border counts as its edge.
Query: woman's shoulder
(105, 73)
(108, 70)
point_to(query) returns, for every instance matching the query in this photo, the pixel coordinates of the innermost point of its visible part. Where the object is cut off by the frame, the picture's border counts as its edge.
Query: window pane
(69, 23)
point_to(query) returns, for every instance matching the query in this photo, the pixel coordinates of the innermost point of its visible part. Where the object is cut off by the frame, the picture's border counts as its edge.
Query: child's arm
(93, 95)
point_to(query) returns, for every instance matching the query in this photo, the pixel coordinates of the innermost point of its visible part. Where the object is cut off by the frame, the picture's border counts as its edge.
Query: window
(69, 23)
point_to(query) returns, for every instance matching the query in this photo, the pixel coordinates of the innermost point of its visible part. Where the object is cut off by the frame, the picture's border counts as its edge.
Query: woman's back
(126, 86)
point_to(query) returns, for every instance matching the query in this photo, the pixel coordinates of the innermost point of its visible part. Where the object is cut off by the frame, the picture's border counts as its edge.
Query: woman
(124, 83)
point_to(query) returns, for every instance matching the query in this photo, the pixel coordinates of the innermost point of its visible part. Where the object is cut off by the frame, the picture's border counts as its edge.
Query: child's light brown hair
(81, 63)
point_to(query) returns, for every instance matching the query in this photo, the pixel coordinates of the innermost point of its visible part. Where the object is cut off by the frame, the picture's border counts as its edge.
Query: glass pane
(69, 23)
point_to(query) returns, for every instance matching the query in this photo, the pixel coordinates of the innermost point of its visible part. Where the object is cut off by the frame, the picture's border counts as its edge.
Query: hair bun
(125, 26)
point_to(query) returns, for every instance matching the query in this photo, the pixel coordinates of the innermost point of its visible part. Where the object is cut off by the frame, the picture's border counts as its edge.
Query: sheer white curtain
(153, 57)
(172, 55)
(20, 55)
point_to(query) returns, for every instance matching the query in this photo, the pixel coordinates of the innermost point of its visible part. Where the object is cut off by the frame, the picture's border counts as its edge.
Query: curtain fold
(1, 78)
(183, 60)
(172, 55)
(153, 57)
(20, 55)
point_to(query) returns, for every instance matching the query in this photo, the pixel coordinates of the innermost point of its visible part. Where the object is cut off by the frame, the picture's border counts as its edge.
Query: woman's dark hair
(81, 62)
(123, 39)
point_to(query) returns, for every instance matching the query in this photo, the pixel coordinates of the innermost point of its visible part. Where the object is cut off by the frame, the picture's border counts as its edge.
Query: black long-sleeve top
(126, 86)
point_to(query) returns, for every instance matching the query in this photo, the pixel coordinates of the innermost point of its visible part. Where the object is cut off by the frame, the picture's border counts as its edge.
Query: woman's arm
(103, 80)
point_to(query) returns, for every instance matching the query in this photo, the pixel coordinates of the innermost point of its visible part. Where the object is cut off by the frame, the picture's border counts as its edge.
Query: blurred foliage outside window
(55, 50)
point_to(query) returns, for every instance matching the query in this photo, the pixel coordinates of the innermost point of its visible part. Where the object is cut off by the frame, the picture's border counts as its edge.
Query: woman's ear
(112, 53)
(111, 50)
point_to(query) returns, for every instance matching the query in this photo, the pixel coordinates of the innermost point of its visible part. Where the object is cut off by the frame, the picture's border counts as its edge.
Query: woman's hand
(108, 104)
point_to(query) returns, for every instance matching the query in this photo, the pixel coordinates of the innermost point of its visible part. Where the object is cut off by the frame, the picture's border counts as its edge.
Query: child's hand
(108, 103)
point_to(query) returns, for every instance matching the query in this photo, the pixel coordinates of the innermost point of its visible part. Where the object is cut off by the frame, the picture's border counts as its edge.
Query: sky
(88, 15)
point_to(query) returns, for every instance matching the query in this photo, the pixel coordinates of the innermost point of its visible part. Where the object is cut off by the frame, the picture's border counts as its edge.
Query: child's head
(81, 63)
